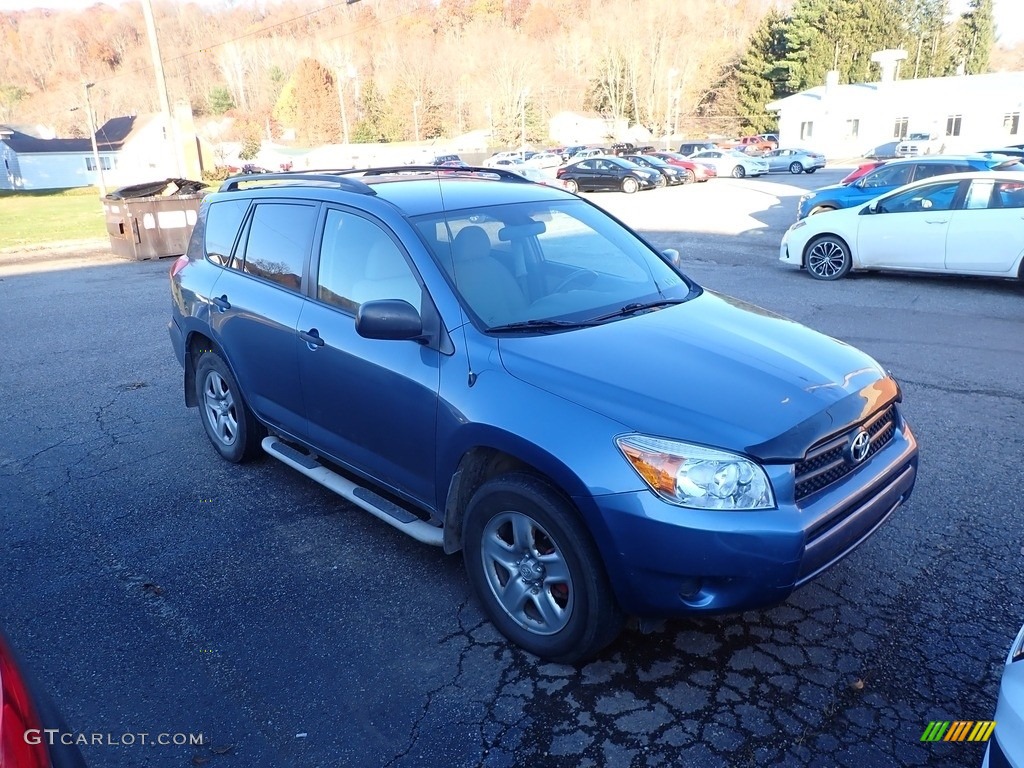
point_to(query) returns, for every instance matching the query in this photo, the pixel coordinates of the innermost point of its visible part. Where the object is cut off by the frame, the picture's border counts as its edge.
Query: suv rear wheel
(228, 422)
(536, 571)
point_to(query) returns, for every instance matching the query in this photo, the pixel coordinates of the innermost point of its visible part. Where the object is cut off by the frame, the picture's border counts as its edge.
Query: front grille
(829, 460)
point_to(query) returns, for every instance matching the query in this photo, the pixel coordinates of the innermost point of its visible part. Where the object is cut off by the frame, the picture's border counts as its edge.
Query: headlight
(1018, 648)
(697, 477)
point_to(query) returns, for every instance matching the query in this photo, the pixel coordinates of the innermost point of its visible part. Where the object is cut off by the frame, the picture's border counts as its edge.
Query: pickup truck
(919, 144)
(749, 144)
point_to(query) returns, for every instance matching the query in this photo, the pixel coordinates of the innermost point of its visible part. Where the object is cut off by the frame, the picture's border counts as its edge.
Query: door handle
(936, 221)
(312, 336)
(221, 302)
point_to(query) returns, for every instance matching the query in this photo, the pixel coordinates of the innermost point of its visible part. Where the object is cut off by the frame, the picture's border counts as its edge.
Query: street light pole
(92, 135)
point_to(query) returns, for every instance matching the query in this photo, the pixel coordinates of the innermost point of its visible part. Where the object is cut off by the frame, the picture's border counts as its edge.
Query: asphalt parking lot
(155, 589)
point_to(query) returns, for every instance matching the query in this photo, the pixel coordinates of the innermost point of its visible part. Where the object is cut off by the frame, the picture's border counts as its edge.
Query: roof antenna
(471, 377)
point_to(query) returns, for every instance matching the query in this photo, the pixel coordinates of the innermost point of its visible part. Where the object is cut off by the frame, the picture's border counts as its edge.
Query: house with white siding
(132, 149)
(966, 113)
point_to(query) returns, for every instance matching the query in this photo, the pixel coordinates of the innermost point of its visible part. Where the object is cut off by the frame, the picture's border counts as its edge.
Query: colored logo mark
(958, 730)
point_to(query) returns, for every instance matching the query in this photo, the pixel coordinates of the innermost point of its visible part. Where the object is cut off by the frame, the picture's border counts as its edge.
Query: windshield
(552, 260)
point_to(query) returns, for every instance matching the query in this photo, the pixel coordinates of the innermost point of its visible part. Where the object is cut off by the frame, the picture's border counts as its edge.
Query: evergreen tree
(929, 42)
(823, 35)
(759, 76)
(975, 36)
(219, 100)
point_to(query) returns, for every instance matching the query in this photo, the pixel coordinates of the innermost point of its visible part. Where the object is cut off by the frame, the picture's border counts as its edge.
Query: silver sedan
(793, 160)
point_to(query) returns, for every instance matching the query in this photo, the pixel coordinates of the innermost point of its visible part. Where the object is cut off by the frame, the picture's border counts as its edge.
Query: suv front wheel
(536, 571)
(229, 423)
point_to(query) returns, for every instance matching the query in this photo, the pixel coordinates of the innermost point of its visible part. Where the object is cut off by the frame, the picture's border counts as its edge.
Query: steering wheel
(583, 276)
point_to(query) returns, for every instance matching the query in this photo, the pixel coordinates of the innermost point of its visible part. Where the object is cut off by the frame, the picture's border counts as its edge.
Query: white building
(967, 112)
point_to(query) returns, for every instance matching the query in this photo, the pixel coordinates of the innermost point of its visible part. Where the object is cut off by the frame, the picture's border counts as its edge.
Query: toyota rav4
(501, 368)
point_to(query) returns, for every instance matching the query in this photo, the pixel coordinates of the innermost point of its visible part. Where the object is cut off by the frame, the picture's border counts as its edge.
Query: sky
(1009, 13)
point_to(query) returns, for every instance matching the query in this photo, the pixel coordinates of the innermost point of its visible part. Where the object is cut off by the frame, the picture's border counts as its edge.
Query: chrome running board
(392, 514)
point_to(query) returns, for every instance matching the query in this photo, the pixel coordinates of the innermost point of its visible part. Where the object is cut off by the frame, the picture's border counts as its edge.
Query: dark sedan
(672, 174)
(609, 173)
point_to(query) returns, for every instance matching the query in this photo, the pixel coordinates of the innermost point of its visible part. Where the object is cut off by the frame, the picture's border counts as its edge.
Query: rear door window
(278, 242)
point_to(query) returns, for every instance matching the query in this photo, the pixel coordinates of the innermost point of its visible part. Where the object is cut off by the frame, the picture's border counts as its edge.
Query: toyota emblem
(860, 446)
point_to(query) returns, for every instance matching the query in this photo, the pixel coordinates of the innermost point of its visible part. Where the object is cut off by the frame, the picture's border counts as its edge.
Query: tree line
(789, 53)
(396, 70)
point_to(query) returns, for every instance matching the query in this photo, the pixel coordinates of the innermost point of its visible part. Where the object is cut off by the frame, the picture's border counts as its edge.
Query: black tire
(520, 518)
(827, 258)
(739, 172)
(688, 176)
(630, 185)
(821, 209)
(228, 422)
(795, 168)
(572, 186)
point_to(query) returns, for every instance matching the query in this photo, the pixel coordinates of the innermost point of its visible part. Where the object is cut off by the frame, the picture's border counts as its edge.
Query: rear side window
(927, 170)
(222, 223)
(279, 239)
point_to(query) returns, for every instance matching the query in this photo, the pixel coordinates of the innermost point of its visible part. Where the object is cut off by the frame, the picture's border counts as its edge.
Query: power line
(253, 33)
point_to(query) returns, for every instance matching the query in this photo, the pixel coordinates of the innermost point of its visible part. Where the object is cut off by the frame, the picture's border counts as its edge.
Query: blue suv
(895, 174)
(501, 368)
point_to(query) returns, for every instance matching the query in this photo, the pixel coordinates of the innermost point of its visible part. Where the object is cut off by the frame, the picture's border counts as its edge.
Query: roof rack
(445, 170)
(326, 178)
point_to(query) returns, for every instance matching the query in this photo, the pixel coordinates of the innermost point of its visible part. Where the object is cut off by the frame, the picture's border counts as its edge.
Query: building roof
(110, 137)
(981, 88)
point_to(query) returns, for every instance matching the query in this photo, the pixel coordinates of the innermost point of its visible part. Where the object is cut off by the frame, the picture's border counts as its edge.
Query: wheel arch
(481, 462)
(196, 343)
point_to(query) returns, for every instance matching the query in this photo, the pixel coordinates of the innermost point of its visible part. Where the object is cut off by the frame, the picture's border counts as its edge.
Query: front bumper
(790, 255)
(671, 561)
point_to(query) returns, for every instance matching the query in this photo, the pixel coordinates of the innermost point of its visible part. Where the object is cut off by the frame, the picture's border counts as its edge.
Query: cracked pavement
(154, 588)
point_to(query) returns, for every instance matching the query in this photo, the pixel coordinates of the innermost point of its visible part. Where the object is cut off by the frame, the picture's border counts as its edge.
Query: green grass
(40, 216)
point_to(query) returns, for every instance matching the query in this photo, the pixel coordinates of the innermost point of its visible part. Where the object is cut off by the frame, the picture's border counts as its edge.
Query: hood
(713, 370)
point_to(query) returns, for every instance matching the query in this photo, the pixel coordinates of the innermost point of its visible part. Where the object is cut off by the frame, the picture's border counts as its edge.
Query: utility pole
(92, 135)
(522, 149)
(416, 119)
(161, 86)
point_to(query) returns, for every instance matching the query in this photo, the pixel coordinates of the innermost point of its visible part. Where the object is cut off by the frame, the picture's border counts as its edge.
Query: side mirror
(871, 208)
(673, 257)
(389, 319)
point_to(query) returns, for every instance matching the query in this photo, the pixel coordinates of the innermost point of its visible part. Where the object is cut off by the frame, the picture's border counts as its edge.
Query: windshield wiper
(541, 325)
(639, 306)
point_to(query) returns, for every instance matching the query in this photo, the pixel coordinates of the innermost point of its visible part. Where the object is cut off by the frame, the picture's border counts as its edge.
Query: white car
(545, 160)
(962, 223)
(729, 162)
(1006, 745)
